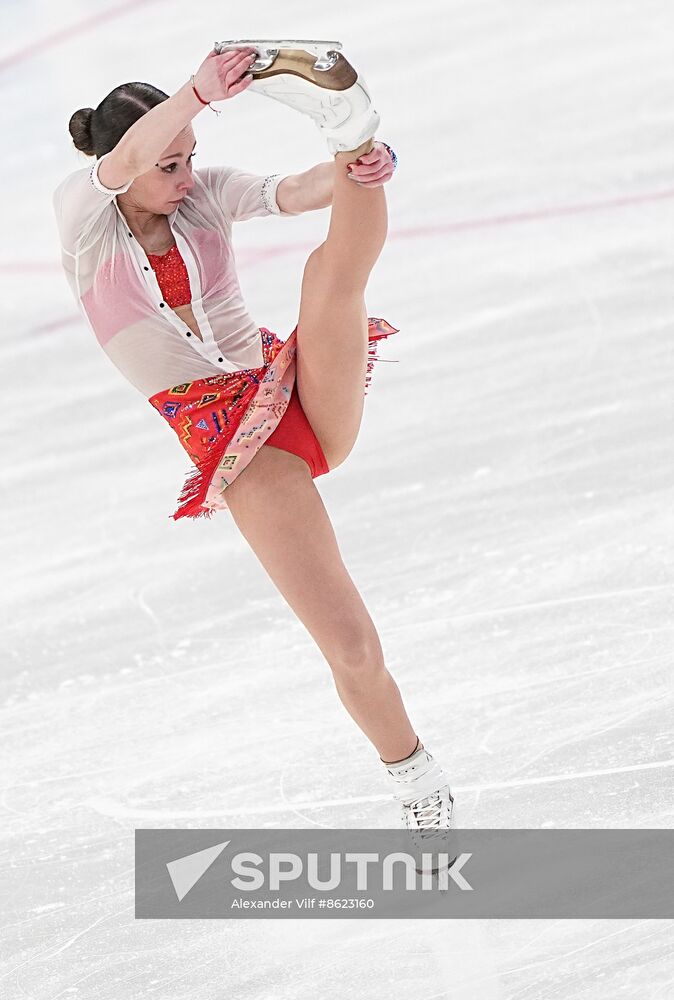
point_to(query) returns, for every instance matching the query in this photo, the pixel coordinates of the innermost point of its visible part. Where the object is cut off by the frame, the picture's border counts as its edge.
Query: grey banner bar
(599, 874)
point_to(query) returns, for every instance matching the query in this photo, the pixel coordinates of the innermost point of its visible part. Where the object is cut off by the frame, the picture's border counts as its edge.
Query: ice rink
(506, 512)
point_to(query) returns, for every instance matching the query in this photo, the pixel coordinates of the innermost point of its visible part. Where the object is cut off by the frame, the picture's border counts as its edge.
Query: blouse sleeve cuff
(269, 194)
(98, 184)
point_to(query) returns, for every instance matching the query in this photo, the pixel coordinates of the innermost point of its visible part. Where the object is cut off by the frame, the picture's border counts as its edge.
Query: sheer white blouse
(116, 288)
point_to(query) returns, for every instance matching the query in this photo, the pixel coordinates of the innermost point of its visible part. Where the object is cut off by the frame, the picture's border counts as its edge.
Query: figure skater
(146, 248)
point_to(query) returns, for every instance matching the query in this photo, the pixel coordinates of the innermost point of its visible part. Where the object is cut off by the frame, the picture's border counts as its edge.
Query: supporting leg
(280, 513)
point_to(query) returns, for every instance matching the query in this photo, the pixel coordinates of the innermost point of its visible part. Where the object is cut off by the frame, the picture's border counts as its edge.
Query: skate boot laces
(422, 789)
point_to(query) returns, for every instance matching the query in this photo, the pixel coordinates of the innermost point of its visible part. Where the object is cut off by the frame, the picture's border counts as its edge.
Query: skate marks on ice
(117, 810)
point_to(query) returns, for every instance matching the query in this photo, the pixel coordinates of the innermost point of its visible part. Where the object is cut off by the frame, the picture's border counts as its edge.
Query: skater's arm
(313, 189)
(308, 191)
(147, 137)
(219, 78)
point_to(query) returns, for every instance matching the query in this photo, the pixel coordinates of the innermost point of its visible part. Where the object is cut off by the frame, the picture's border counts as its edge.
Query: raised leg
(332, 326)
(280, 513)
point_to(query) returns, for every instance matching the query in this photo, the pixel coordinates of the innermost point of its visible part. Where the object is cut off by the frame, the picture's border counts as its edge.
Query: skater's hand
(221, 76)
(377, 167)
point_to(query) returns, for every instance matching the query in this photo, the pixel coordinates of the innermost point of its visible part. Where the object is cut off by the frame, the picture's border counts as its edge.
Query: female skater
(146, 248)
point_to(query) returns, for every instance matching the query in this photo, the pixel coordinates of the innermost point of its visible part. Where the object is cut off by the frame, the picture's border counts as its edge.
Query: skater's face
(163, 186)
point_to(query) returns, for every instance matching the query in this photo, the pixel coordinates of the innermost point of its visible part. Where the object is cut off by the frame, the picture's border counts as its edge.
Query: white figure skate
(420, 786)
(314, 78)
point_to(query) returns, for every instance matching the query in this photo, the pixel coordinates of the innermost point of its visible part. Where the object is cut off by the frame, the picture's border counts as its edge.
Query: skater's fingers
(232, 55)
(221, 70)
(233, 77)
(372, 156)
(241, 85)
(227, 55)
(373, 159)
(233, 50)
(231, 73)
(366, 172)
(372, 179)
(237, 64)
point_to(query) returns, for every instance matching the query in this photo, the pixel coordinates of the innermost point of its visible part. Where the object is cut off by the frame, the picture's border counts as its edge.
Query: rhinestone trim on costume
(266, 199)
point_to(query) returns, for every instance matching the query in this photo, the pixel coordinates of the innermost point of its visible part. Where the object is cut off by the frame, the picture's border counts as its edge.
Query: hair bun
(79, 127)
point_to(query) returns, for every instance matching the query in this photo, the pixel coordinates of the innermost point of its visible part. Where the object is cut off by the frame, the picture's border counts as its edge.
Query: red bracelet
(205, 103)
(197, 93)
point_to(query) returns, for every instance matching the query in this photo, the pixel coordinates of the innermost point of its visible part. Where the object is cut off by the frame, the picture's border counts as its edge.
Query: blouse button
(161, 305)
(221, 359)
(188, 333)
(145, 268)
(131, 235)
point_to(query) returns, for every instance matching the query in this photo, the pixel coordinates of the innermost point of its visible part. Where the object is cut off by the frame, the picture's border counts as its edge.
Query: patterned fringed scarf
(221, 421)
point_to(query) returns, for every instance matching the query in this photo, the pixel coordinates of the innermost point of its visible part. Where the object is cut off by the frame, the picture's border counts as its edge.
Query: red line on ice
(251, 255)
(71, 31)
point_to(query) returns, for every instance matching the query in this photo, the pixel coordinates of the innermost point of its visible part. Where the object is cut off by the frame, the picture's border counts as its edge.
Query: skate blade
(325, 52)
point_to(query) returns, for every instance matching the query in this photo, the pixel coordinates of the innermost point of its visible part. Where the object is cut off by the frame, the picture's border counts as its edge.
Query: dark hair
(97, 132)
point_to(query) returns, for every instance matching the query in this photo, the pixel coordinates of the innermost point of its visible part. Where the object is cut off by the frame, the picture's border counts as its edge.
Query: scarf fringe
(372, 353)
(195, 488)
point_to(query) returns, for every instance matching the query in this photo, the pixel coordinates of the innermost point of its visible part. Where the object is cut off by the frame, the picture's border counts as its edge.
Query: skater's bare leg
(279, 511)
(332, 327)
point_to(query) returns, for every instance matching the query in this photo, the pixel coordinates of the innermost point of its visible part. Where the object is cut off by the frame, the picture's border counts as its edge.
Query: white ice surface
(519, 572)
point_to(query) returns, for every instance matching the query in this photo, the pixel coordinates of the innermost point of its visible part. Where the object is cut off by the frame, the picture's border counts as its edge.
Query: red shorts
(295, 434)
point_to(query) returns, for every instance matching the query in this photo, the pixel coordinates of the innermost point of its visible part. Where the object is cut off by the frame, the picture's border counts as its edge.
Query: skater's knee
(356, 653)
